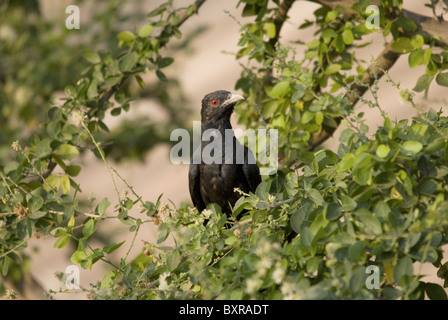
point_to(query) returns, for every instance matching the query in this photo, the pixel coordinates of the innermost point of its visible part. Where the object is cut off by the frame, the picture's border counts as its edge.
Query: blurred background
(40, 56)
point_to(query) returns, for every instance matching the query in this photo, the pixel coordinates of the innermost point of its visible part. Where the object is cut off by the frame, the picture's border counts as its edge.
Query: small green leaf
(145, 31)
(126, 36)
(93, 89)
(61, 242)
(334, 211)
(347, 37)
(72, 171)
(442, 79)
(35, 203)
(435, 291)
(164, 62)
(91, 56)
(346, 162)
(269, 28)
(88, 228)
(102, 207)
(382, 151)
(65, 184)
(67, 152)
(333, 68)
(52, 182)
(423, 83)
(412, 146)
(128, 62)
(402, 45)
(161, 75)
(369, 221)
(112, 247)
(37, 214)
(269, 108)
(43, 148)
(416, 58)
(316, 197)
(280, 89)
(140, 81)
(79, 256)
(404, 267)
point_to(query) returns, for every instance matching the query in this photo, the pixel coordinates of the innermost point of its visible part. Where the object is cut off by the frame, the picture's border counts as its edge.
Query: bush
(350, 224)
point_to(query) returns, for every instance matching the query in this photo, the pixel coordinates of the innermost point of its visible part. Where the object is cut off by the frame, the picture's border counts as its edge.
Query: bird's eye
(214, 102)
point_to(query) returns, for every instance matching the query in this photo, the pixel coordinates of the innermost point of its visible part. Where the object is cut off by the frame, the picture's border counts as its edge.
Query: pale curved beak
(233, 98)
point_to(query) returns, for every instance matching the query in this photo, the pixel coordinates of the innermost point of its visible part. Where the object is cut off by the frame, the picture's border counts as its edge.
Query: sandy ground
(208, 69)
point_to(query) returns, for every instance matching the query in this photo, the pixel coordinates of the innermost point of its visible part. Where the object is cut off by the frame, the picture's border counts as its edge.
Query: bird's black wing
(251, 170)
(194, 185)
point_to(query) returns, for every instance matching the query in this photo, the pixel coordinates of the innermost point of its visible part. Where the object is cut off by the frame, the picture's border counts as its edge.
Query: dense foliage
(310, 231)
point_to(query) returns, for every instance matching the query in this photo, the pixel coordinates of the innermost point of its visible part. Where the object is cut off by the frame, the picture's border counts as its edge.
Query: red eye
(214, 102)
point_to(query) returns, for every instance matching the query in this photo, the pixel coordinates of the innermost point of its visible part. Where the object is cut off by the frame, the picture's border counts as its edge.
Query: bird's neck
(220, 124)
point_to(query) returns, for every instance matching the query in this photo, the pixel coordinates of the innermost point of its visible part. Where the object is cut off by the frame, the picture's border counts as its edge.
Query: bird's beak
(233, 98)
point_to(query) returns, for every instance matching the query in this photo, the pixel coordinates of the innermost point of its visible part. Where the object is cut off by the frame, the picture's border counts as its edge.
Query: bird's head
(219, 105)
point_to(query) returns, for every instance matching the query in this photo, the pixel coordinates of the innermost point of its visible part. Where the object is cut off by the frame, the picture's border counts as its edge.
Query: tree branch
(384, 61)
(184, 16)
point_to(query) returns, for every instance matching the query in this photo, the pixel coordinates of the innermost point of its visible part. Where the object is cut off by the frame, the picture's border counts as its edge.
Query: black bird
(215, 182)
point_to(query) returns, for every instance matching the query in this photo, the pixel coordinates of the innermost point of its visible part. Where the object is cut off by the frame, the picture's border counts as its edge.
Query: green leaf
(145, 31)
(164, 62)
(347, 37)
(280, 89)
(412, 146)
(269, 28)
(88, 228)
(416, 58)
(93, 89)
(43, 149)
(369, 221)
(37, 214)
(112, 247)
(61, 242)
(67, 152)
(307, 116)
(316, 197)
(65, 184)
(79, 256)
(91, 56)
(126, 36)
(435, 291)
(140, 81)
(72, 171)
(116, 111)
(423, 83)
(35, 203)
(306, 237)
(173, 260)
(435, 145)
(52, 182)
(128, 62)
(382, 151)
(402, 45)
(333, 68)
(417, 41)
(334, 211)
(404, 267)
(161, 75)
(348, 204)
(356, 250)
(346, 162)
(102, 207)
(442, 79)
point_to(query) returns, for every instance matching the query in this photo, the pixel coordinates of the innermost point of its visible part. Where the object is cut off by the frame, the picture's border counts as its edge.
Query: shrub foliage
(312, 230)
